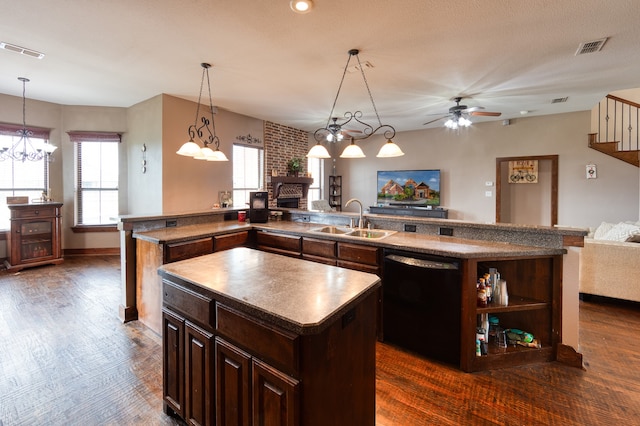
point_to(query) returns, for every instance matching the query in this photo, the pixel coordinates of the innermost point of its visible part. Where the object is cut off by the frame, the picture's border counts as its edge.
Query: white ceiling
(273, 64)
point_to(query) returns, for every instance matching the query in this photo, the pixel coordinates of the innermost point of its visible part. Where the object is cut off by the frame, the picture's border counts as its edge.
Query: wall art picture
(412, 188)
(523, 171)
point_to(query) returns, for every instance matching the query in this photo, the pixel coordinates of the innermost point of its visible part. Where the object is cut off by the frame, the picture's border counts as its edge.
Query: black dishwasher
(421, 304)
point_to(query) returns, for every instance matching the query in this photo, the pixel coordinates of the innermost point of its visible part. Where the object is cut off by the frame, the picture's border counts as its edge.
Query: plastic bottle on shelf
(482, 294)
(504, 295)
(489, 290)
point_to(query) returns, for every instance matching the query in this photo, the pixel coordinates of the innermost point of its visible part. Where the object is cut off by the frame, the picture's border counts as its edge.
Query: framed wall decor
(523, 171)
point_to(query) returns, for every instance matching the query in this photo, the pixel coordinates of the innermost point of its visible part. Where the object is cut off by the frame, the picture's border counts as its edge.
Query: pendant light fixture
(24, 148)
(205, 132)
(335, 131)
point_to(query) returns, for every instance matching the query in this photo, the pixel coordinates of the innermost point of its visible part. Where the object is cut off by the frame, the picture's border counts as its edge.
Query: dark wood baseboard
(92, 251)
(127, 313)
(569, 356)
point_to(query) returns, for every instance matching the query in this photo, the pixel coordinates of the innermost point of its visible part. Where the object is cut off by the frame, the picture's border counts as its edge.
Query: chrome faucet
(360, 220)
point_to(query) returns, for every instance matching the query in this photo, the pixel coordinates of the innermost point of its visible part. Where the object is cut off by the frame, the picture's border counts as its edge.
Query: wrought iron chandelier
(25, 148)
(205, 131)
(335, 131)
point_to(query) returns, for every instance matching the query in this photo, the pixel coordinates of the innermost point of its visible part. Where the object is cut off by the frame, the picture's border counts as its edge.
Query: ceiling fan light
(352, 151)
(389, 150)
(318, 151)
(189, 149)
(464, 122)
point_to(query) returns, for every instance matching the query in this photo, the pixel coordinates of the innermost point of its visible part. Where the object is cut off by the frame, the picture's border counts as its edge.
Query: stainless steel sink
(366, 233)
(333, 230)
(356, 233)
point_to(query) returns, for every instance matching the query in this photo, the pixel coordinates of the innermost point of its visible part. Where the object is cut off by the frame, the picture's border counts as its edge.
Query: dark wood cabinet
(199, 374)
(242, 368)
(228, 241)
(359, 257)
(233, 385)
(174, 252)
(322, 251)
(173, 362)
(35, 235)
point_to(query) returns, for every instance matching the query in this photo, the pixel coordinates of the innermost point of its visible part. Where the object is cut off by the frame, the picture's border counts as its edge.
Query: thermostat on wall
(591, 171)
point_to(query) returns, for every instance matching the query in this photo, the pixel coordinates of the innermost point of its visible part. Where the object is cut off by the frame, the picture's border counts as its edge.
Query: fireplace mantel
(278, 181)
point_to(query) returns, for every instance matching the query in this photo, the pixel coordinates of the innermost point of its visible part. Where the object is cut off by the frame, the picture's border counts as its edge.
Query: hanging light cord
(340, 86)
(368, 90)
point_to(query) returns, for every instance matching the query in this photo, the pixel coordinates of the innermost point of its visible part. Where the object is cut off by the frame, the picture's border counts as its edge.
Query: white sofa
(610, 262)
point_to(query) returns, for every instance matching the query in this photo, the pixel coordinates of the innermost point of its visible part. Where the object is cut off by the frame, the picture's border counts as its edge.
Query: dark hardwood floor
(65, 358)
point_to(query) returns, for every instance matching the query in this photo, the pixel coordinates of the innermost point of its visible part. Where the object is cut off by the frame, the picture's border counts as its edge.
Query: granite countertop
(415, 242)
(305, 300)
(420, 243)
(190, 232)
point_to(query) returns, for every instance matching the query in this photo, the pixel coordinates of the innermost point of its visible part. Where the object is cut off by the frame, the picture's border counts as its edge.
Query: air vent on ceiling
(21, 50)
(559, 100)
(590, 46)
(354, 68)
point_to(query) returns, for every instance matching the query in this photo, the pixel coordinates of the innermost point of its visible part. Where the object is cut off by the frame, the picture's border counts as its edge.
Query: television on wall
(409, 188)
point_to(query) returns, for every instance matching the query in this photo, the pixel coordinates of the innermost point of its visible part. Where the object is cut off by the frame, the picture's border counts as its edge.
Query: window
(21, 178)
(96, 177)
(248, 172)
(315, 166)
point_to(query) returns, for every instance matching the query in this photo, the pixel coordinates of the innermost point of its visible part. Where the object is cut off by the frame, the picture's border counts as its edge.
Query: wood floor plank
(65, 359)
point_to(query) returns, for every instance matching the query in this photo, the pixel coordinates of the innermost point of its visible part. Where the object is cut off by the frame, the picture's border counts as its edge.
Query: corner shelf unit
(535, 300)
(335, 192)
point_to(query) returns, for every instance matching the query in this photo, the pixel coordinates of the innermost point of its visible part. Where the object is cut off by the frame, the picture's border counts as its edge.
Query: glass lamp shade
(390, 149)
(217, 156)
(203, 154)
(189, 149)
(318, 151)
(48, 148)
(352, 151)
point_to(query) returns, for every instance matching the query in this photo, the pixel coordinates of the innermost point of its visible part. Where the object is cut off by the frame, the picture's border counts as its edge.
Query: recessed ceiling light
(301, 6)
(21, 50)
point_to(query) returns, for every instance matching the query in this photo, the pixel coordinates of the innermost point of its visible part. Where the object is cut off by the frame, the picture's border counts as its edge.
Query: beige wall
(467, 160)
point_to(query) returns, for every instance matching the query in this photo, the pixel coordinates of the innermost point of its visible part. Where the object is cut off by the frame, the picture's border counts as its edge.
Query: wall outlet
(488, 193)
(171, 223)
(446, 231)
(409, 228)
(488, 183)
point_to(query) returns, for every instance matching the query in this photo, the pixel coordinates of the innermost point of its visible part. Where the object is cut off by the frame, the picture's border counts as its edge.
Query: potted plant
(294, 166)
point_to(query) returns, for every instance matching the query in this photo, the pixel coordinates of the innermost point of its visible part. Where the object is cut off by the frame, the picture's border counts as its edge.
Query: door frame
(554, 183)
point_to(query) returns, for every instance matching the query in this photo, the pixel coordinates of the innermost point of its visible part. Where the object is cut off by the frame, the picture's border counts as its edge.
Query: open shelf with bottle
(534, 306)
(335, 192)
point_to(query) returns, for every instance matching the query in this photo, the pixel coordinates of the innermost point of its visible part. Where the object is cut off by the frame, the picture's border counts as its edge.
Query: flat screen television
(409, 188)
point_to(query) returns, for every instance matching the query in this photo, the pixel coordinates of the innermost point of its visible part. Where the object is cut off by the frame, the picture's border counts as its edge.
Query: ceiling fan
(458, 115)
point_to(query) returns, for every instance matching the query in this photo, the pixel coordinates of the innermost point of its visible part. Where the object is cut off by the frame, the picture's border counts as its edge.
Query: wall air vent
(21, 50)
(559, 100)
(590, 46)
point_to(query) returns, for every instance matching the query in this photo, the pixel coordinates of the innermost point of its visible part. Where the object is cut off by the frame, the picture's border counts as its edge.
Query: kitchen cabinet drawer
(34, 212)
(323, 248)
(198, 307)
(278, 347)
(359, 254)
(187, 249)
(278, 243)
(225, 242)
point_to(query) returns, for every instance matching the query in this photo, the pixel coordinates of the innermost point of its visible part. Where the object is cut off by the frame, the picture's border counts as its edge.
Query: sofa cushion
(622, 232)
(602, 230)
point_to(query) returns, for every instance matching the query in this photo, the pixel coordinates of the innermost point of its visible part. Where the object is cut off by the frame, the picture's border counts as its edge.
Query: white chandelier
(25, 148)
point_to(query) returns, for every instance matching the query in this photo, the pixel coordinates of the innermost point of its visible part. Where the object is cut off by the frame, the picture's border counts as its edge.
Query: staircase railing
(617, 121)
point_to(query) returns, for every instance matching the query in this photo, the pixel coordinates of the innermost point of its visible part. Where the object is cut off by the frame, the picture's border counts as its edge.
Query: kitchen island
(251, 337)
